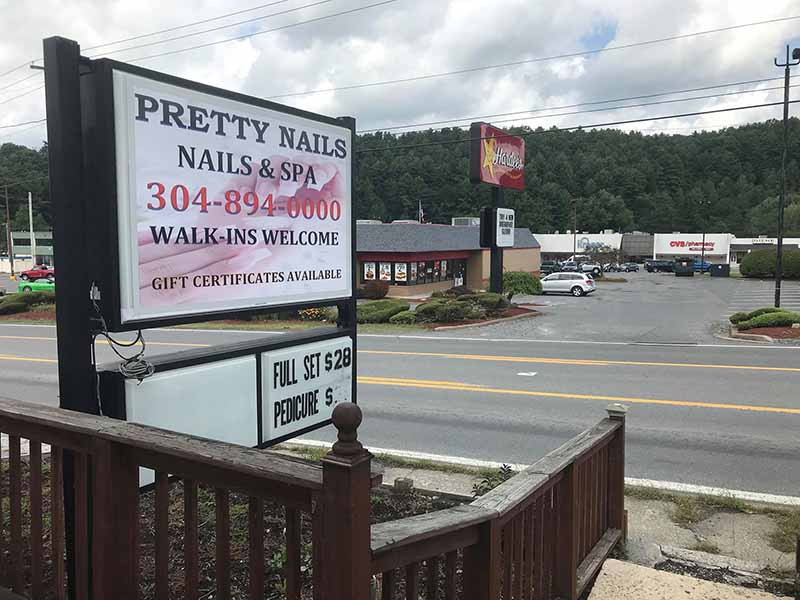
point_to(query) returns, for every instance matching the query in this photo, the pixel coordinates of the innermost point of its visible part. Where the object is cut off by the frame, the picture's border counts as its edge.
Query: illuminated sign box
(208, 203)
(496, 157)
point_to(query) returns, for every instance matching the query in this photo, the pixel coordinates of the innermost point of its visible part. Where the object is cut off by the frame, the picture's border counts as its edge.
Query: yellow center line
(624, 399)
(27, 358)
(52, 339)
(586, 362)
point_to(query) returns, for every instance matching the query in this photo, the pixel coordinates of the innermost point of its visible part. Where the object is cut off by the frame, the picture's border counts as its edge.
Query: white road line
(671, 486)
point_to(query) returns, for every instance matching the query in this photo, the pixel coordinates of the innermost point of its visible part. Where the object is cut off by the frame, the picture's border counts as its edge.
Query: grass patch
(611, 279)
(787, 528)
(648, 493)
(706, 546)
(686, 512)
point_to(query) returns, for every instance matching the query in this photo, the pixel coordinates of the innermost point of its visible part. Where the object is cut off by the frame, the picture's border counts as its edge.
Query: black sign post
(496, 262)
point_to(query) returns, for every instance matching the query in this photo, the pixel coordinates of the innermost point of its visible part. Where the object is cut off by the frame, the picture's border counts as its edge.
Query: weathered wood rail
(542, 534)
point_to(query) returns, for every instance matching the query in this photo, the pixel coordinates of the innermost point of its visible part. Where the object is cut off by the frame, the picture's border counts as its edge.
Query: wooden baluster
(387, 585)
(412, 582)
(115, 522)
(566, 561)
(223, 544)
(57, 521)
(162, 535)
(293, 554)
(528, 566)
(15, 494)
(190, 542)
(549, 544)
(538, 531)
(346, 498)
(481, 570)
(450, 560)
(316, 549)
(81, 466)
(432, 565)
(616, 475)
(519, 529)
(256, 539)
(508, 549)
(3, 540)
(36, 519)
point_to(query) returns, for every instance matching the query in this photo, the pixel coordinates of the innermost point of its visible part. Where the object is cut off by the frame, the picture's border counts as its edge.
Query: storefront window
(400, 273)
(386, 271)
(421, 272)
(369, 271)
(412, 278)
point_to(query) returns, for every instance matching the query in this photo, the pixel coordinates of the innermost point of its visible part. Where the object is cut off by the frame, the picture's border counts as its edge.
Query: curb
(753, 337)
(484, 323)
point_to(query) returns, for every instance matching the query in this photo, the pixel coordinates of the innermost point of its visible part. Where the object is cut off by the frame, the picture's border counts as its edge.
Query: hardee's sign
(496, 157)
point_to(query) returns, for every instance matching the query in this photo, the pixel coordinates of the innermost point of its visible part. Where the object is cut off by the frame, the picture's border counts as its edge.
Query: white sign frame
(505, 222)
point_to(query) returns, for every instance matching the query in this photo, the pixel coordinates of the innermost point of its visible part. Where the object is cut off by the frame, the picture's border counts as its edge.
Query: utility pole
(574, 228)
(8, 234)
(782, 202)
(30, 224)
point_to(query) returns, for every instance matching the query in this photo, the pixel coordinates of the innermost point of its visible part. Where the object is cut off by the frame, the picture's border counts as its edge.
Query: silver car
(577, 284)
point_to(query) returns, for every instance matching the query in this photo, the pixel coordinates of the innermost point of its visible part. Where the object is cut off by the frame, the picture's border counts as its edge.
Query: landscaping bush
(318, 314)
(379, 311)
(738, 317)
(761, 263)
(407, 317)
(373, 290)
(453, 292)
(772, 319)
(455, 310)
(488, 300)
(10, 308)
(520, 282)
(30, 298)
(426, 312)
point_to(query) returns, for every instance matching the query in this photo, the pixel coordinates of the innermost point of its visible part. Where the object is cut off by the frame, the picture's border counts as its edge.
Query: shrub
(426, 312)
(772, 319)
(488, 300)
(373, 290)
(317, 314)
(407, 317)
(738, 317)
(30, 298)
(520, 282)
(453, 292)
(761, 263)
(763, 311)
(10, 308)
(379, 311)
(455, 310)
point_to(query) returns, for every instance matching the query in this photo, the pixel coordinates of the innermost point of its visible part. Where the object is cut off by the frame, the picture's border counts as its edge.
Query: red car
(39, 272)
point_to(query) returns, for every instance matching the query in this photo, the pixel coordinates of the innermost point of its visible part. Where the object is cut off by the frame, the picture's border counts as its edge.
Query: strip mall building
(419, 258)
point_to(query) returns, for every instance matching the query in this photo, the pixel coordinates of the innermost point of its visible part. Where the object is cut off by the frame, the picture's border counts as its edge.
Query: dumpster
(684, 267)
(720, 270)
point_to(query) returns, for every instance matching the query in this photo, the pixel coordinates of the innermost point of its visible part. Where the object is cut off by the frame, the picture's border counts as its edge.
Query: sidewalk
(719, 537)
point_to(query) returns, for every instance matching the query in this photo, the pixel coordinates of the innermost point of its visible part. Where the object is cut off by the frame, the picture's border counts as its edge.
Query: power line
(575, 127)
(626, 106)
(36, 89)
(18, 67)
(535, 60)
(10, 85)
(177, 27)
(13, 133)
(249, 35)
(188, 35)
(579, 104)
(23, 123)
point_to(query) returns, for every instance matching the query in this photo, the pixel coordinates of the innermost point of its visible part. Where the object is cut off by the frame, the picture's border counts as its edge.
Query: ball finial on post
(346, 418)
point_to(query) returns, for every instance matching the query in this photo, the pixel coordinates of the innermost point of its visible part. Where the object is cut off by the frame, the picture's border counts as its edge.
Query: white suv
(576, 284)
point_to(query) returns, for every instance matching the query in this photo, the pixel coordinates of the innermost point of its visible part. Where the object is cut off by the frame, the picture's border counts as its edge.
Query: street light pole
(782, 201)
(574, 228)
(8, 233)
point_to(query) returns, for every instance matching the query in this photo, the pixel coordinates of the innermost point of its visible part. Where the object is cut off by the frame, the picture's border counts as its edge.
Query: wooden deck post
(616, 474)
(346, 553)
(482, 564)
(565, 577)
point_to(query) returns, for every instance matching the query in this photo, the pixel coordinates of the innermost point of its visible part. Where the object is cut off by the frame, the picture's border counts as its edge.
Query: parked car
(612, 267)
(549, 266)
(569, 267)
(37, 285)
(38, 272)
(702, 267)
(683, 267)
(589, 267)
(659, 266)
(577, 284)
(629, 267)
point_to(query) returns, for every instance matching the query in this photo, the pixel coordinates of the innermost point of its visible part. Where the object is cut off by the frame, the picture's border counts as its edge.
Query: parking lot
(647, 308)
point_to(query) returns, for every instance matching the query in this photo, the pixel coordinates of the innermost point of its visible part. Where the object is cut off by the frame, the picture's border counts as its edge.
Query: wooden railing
(542, 534)
(105, 456)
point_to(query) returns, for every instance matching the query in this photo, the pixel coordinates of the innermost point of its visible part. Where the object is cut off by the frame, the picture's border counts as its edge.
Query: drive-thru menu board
(302, 385)
(224, 205)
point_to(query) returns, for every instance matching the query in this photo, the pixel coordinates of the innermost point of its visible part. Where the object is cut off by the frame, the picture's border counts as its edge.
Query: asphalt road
(725, 415)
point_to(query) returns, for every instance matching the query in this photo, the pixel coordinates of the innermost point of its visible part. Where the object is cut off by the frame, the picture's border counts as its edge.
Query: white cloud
(408, 38)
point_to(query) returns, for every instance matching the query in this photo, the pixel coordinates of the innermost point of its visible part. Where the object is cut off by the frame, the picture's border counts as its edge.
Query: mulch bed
(509, 312)
(778, 333)
(31, 315)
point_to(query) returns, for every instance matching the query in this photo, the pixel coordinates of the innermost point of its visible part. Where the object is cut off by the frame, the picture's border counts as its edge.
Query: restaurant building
(416, 258)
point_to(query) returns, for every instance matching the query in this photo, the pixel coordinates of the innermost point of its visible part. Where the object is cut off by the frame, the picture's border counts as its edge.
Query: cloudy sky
(379, 41)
